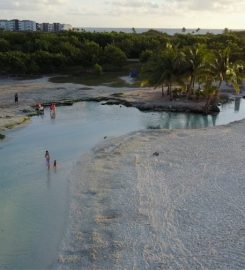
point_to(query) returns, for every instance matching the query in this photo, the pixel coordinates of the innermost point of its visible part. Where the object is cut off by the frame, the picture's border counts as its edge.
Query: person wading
(47, 157)
(16, 98)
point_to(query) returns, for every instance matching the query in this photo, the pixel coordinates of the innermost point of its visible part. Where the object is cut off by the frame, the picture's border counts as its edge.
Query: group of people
(47, 158)
(40, 107)
(52, 107)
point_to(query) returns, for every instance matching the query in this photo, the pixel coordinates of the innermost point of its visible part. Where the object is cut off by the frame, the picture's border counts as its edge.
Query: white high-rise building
(27, 25)
(16, 25)
(3, 24)
(12, 25)
(47, 27)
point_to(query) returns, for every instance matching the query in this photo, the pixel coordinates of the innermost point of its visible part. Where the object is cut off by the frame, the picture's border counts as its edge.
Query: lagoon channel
(34, 201)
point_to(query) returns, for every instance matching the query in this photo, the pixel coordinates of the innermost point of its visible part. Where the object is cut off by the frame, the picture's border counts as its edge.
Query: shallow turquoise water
(33, 200)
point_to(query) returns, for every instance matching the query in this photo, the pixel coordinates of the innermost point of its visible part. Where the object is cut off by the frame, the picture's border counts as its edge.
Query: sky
(208, 14)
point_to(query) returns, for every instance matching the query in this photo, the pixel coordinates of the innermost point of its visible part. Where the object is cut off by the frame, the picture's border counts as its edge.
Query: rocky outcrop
(170, 106)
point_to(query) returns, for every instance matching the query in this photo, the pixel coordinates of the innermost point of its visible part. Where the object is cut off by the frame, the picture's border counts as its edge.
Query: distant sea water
(169, 31)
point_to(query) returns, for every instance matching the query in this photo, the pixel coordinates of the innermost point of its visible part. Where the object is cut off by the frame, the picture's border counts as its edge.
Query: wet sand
(181, 209)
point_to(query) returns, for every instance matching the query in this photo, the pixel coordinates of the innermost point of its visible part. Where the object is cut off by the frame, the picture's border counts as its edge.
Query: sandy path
(183, 209)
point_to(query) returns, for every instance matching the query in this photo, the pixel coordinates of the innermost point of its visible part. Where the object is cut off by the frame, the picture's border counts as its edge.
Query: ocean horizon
(169, 31)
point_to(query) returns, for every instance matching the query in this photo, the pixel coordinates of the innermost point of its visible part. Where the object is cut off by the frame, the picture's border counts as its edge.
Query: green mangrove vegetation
(42, 53)
(196, 64)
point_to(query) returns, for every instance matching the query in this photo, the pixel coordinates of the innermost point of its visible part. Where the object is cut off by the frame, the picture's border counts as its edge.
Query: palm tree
(195, 65)
(220, 69)
(211, 91)
(234, 76)
(165, 68)
(183, 30)
(223, 70)
(219, 65)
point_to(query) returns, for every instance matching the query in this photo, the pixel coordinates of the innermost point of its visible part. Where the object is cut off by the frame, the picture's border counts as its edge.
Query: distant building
(17, 25)
(3, 24)
(13, 25)
(38, 26)
(54, 27)
(57, 27)
(44, 27)
(27, 25)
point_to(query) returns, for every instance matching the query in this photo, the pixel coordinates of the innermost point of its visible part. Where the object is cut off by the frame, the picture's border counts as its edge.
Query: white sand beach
(181, 209)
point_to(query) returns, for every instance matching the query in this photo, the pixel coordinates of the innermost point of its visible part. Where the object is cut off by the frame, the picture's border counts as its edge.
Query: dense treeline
(39, 53)
(34, 53)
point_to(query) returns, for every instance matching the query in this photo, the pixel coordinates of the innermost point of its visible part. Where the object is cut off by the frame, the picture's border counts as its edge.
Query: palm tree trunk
(212, 99)
(193, 85)
(220, 82)
(207, 104)
(170, 92)
(190, 87)
(162, 91)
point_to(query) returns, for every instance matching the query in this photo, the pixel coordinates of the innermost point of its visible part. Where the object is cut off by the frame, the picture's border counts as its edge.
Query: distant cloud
(29, 5)
(175, 7)
(210, 5)
(125, 13)
(134, 4)
(83, 12)
(135, 7)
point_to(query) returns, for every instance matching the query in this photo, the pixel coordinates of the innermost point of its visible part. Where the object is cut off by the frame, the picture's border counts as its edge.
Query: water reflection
(214, 118)
(231, 111)
(168, 120)
(237, 104)
(48, 178)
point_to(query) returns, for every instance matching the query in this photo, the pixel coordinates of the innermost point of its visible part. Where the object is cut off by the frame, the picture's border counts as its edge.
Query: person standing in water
(55, 165)
(47, 157)
(52, 110)
(16, 98)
